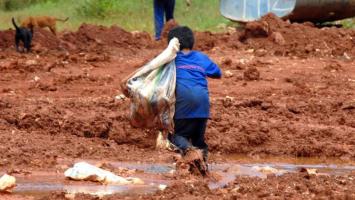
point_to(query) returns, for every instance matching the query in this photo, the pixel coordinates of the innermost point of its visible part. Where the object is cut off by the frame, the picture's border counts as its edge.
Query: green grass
(129, 14)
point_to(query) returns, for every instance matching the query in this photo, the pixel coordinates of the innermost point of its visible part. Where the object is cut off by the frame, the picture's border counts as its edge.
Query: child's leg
(198, 137)
(183, 130)
(158, 17)
(169, 9)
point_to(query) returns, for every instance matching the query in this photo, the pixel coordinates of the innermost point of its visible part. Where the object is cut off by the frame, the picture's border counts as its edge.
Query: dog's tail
(14, 23)
(62, 20)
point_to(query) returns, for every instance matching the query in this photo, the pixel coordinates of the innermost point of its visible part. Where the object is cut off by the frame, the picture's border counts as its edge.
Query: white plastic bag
(85, 171)
(152, 91)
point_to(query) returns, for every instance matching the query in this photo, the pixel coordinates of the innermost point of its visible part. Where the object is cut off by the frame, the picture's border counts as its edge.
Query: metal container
(295, 10)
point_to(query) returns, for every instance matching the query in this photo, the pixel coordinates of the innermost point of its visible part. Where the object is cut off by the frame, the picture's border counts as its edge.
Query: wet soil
(289, 92)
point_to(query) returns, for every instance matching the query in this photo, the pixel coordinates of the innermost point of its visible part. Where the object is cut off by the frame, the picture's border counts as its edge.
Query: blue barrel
(295, 10)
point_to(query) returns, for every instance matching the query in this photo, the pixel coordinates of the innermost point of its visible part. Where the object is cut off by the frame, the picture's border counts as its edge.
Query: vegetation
(129, 14)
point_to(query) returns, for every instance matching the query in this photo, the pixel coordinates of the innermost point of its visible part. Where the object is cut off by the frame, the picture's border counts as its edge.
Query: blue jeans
(162, 7)
(190, 133)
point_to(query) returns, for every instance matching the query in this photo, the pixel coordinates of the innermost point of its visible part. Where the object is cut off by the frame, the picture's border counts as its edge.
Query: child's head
(185, 36)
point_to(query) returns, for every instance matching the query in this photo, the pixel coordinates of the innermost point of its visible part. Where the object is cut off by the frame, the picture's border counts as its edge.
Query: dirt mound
(283, 38)
(167, 27)
(104, 36)
(7, 38)
(86, 38)
(41, 39)
(45, 39)
(206, 41)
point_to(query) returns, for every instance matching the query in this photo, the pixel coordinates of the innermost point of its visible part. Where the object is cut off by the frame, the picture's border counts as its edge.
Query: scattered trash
(309, 171)
(85, 171)
(228, 101)
(120, 97)
(36, 78)
(267, 170)
(7, 183)
(162, 187)
(346, 56)
(31, 63)
(228, 74)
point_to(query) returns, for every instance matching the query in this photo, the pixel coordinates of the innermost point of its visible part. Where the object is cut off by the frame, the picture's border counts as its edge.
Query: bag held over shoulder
(152, 91)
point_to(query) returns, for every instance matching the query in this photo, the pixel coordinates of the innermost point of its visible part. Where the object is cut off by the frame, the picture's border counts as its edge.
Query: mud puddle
(153, 176)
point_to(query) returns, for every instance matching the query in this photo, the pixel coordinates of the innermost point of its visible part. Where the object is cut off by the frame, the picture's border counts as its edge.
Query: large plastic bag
(85, 171)
(152, 91)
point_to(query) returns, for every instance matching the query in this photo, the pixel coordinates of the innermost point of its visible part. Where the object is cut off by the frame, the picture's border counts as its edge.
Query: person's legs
(183, 129)
(198, 137)
(158, 17)
(169, 9)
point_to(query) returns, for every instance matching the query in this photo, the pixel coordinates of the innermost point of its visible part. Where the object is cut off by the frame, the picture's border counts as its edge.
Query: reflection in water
(42, 185)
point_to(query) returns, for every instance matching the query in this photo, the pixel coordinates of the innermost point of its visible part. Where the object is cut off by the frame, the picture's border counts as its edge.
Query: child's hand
(174, 45)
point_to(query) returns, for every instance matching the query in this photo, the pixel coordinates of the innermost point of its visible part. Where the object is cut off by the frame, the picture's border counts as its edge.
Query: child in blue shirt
(192, 108)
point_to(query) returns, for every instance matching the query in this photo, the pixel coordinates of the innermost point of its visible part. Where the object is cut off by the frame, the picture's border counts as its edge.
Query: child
(192, 97)
(161, 7)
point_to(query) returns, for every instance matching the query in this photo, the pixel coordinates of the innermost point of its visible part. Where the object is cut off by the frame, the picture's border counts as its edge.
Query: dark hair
(185, 36)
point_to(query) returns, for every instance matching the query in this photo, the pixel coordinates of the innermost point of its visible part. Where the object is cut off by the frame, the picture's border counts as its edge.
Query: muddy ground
(288, 90)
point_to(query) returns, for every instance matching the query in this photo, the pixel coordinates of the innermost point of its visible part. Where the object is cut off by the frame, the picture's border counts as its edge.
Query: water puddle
(153, 176)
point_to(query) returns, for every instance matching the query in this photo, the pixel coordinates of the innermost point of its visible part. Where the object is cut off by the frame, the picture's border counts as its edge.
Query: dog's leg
(27, 43)
(17, 41)
(53, 29)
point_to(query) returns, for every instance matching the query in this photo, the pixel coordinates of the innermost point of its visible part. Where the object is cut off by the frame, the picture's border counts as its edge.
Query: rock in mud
(227, 62)
(256, 29)
(278, 38)
(251, 74)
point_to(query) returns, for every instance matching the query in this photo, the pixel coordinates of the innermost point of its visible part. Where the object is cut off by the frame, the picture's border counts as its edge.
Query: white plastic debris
(120, 97)
(162, 187)
(7, 183)
(31, 62)
(85, 171)
(309, 171)
(36, 78)
(266, 170)
(228, 74)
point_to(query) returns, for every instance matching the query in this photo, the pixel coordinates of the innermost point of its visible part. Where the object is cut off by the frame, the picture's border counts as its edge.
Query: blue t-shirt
(192, 99)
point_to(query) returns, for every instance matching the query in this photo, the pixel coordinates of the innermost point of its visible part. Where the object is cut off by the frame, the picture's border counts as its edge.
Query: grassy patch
(129, 14)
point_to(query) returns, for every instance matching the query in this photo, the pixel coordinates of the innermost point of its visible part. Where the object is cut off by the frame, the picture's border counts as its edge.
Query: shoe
(194, 158)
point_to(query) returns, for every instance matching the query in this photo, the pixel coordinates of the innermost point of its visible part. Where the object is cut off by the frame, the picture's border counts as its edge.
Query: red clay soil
(285, 97)
(288, 186)
(283, 38)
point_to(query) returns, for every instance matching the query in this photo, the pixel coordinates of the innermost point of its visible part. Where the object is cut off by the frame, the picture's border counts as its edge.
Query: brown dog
(42, 21)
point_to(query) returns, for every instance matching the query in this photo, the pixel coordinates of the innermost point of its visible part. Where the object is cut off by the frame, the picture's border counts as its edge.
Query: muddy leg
(53, 30)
